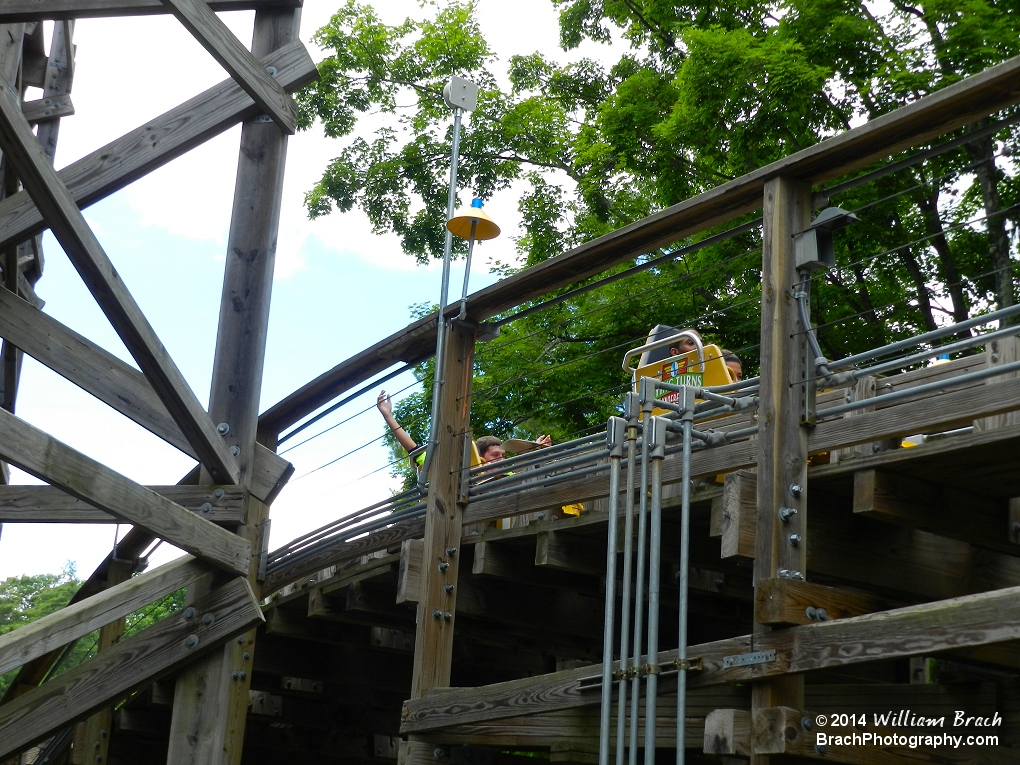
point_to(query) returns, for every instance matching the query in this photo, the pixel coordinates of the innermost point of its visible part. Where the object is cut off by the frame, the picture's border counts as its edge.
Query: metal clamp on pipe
(657, 437)
(615, 436)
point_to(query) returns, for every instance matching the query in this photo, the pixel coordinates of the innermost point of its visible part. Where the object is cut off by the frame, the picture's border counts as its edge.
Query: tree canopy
(686, 96)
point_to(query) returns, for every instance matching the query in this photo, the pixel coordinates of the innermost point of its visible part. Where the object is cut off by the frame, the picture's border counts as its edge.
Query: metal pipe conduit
(682, 585)
(960, 345)
(614, 439)
(632, 407)
(275, 564)
(540, 455)
(530, 475)
(545, 483)
(657, 439)
(921, 390)
(935, 334)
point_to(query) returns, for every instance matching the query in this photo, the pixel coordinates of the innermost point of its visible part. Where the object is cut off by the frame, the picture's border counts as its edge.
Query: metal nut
(208, 619)
(223, 428)
(191, 641)
(443, 566)
(795, 539)
(451, 551)
(807, 723)
(218, 494)
(235, 450)
(796, 489)
(189, 613)
(206, 507)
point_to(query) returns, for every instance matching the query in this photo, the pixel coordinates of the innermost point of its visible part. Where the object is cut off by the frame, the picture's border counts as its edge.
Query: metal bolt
(539, 516)
(218, 494)
(807, 723)
(1016, 528)
(99, 758)
(240, 639)
(451, 551)
(796, 489)
(235, 450)
(104, 733)
(448, 589)
(206, 507)
(437, 614)
(447, 616)
(208, 619)
(191, 641)
(820, 748)
(235, 675)
(794, 539)
(246, 656)
(271, 71)
(876, 448)
(995, 357)
(785, 513)
(223, 428)
(189, 613)
(439, 753)
(443, 566)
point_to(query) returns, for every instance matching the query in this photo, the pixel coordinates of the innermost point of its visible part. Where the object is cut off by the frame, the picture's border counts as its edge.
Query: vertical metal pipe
(444, 289)
(656, 435)
(614, 439)
(687, 419)
(632, 408)
(647, 399)
(467, 268)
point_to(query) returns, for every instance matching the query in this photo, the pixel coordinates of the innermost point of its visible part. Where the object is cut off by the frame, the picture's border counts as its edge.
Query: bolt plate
(746, 659)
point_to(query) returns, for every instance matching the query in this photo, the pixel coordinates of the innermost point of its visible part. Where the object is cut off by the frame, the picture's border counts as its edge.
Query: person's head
(731, 360)
(490, 449)
(685, 344)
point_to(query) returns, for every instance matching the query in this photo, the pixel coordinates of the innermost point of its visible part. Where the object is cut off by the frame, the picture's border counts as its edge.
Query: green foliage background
(687, 96)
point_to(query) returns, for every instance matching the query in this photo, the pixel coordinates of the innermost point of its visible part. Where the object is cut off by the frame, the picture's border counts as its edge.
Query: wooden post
(92, 736)
(211, 697)
(1005, 350)
(433, 646)
(780, 545)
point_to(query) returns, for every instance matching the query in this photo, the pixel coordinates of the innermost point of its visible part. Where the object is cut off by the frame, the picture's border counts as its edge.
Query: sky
(338, 289)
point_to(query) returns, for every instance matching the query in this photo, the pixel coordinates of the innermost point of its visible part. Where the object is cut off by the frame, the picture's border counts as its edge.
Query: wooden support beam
(728, 731)
(409, 571)
(500, 560)
(95, 268)
(433, 648)
(43, 10)
(563, 552)
(739, 515)
(56, 83)
(132, 663)
(46, 504)
(213, 35)
(943, 510)
(116, 383)
(79, 619)
(92, 736)
(154, 144)
(204, 699)
(950, 625)
(781, 543)
(58, 464)
(782, 602)
(47, 108)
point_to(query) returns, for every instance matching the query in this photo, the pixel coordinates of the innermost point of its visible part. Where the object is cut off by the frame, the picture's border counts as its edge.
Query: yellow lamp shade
(460, 223)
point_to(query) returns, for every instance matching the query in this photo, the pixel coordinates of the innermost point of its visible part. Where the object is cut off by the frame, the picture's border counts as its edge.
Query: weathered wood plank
(115, 383)
(155, 143)
(47, 108)
(103, 281)
(61, 627)
(444, 517)
(728, 731)
(44, 10)
(58, 464)
(782, 602)
(942, 510)
(213, 35)
(132, 663)
(738, 515)
(954, 409)
(562, 552)
(958, 623)
(203, 699)
(927, 118)
(46, 504)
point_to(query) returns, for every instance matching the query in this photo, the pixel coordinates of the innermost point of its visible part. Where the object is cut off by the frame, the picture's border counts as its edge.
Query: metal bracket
(690, 664)
(747, 659)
